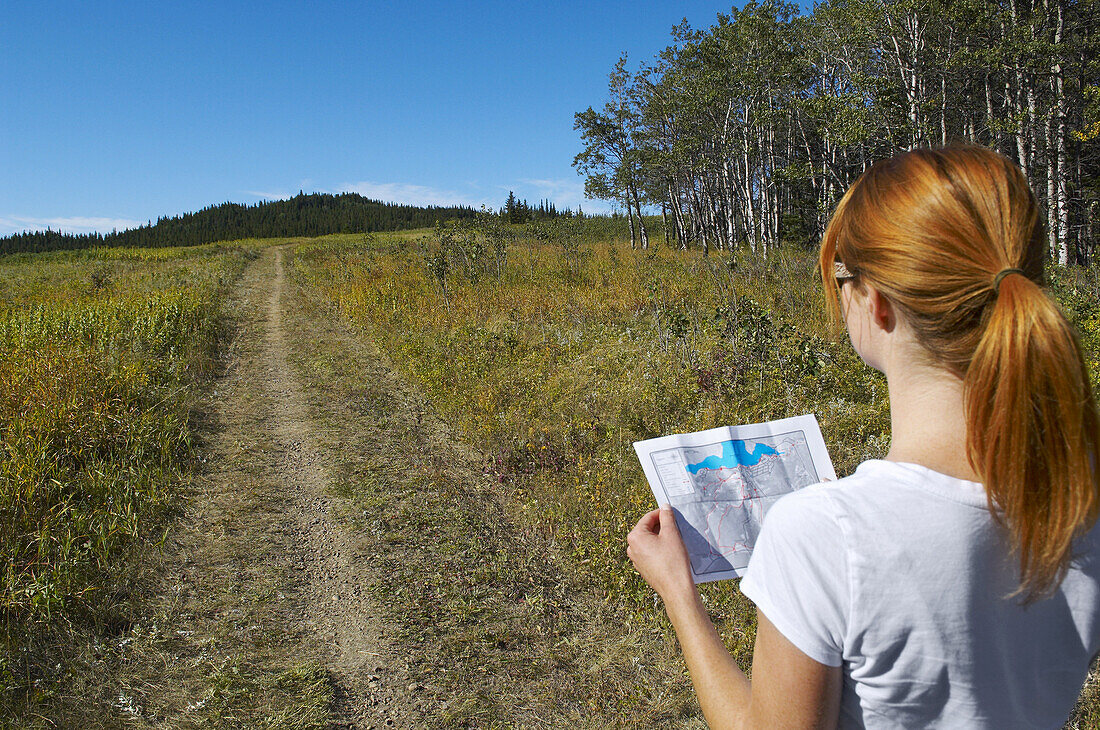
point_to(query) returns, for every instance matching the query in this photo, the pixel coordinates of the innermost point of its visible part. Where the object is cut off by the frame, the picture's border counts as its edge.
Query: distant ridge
(315, 214)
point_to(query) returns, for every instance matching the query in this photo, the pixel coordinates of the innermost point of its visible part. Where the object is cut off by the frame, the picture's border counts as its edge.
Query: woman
(956, 583)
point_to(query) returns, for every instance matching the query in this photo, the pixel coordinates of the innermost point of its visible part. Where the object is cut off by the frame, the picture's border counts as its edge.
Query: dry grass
(501, 628)
(104, 358)
(549, 373)
(551, 370)
(481, 438)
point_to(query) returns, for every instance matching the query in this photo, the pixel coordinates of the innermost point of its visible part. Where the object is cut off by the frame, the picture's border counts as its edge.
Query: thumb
(668, 521)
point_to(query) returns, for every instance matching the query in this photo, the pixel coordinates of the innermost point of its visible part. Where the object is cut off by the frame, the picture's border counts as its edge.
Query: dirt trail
(322, 555)
(339, 614)
(263, 612)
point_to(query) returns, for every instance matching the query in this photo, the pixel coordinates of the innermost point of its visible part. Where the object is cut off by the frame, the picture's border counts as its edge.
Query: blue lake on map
(734, 453)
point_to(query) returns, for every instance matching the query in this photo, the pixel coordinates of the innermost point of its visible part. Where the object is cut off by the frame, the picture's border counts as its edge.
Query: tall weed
(581, 347)
(98, 367)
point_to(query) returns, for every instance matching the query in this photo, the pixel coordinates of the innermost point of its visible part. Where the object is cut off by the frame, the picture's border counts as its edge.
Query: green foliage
(552, 371)
(472, 248)
(748, 131)
(1077, 290)
(96, 384)
(520, 211)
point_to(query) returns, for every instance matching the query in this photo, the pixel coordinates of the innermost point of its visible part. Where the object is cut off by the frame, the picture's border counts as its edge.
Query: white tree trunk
(1061, 193)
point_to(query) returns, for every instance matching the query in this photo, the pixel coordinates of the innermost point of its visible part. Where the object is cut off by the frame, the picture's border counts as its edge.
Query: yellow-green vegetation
(548, 348)
(1078, 292)
(553, 367)
(556, 365)
(581, 346)
(100, 355)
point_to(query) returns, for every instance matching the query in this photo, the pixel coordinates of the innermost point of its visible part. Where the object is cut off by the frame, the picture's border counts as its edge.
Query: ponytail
(952, 238)
(1032, 431)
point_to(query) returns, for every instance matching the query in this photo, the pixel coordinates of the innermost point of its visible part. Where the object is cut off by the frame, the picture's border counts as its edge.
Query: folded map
(721, 482)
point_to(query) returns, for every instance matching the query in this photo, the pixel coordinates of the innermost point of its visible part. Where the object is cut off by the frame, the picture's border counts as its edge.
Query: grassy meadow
(552, 354)
(101, 353)
(554, 366)
(549, 348)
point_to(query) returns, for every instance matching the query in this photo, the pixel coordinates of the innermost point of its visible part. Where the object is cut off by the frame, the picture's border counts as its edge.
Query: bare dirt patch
(344, 561)
(338, 610)
(256, 615)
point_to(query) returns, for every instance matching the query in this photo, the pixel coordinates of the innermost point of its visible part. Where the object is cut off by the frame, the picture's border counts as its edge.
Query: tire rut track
(338, 612)
(325, 566)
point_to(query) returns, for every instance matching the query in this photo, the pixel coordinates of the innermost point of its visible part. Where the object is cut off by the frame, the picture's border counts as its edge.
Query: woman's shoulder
(878, 480)
(878, 502)
(834, 497)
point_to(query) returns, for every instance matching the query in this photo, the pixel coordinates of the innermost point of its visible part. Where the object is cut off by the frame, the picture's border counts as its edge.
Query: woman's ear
(882, 310)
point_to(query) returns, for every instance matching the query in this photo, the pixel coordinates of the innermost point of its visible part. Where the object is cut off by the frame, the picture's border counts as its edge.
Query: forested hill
(303, 215)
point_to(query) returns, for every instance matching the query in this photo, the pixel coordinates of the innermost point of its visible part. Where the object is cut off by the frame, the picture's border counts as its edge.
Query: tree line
(748, 132)
(315, 214)
(516, 210)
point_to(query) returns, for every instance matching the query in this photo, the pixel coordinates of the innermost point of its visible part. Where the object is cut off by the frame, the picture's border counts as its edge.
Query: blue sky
(116, 113)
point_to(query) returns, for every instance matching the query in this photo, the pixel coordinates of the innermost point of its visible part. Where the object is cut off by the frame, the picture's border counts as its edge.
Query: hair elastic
(1002, 274)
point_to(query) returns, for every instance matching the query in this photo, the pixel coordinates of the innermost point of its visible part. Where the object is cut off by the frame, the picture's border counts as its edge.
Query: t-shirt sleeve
(798, 574)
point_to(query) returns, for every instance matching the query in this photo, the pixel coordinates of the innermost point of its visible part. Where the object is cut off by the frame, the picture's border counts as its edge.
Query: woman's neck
(928, 420)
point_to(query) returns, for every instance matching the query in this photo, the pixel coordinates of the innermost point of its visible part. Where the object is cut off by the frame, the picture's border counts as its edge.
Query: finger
(668, 521)
(649, 522)
(642, 531)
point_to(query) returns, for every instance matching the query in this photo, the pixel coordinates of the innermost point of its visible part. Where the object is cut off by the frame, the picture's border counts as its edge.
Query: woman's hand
(789, 689)
(658, 553)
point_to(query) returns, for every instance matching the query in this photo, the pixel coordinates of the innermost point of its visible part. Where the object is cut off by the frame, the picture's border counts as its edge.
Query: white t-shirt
(900, 575)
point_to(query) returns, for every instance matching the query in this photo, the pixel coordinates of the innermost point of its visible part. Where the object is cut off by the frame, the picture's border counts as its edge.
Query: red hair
(931, 230)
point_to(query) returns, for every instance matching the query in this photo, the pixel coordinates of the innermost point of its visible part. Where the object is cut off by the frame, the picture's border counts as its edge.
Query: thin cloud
(71, 224)
(407, 194)
(268, 196)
